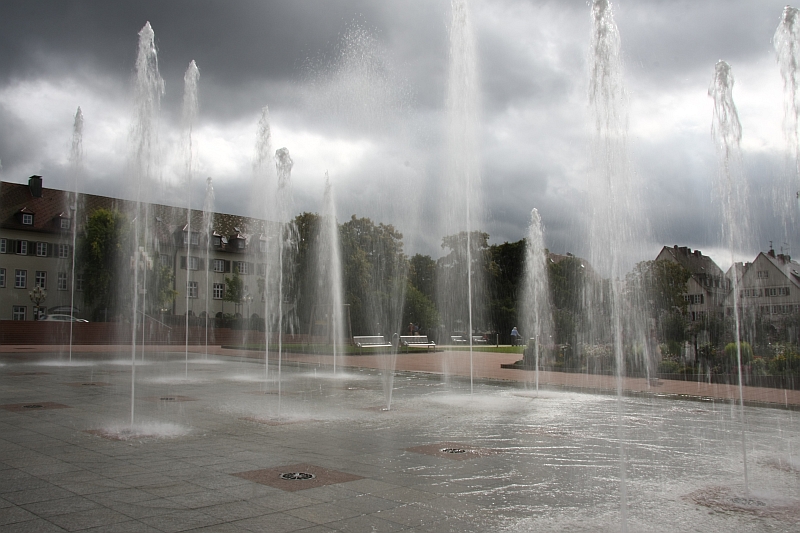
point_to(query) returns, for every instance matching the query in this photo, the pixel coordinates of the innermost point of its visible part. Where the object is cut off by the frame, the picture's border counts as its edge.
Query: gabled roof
(693, 261)
(784, 263)
(165, 220)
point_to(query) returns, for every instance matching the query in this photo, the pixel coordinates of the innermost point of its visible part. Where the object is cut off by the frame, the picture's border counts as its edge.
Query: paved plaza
(220, 443)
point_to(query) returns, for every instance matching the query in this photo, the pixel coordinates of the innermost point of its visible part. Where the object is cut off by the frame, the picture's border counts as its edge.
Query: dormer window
(27, 219)
(240, 244)
(64, 223)
(262, 245)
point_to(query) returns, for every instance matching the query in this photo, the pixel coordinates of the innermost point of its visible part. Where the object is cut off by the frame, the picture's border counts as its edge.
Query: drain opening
(168, 399)
(89, 384)
(297, 476)
(33, 406)
(453, 450)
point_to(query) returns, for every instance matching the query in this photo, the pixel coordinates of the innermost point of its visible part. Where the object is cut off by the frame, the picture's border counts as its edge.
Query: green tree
(422, 275)
(234, 290)
(374, 272)
(160, 292)
(463, 264)
(507, 270)
(420, 310)
(102, 253)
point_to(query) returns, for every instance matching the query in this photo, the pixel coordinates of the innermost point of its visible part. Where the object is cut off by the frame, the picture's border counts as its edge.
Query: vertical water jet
(190, 79)
(786, 41)
(148, 89)
(731, 190)
(208, 224)
(462, 175)
(536, 310)
(262, 170)
(286, 236)
(76, 164)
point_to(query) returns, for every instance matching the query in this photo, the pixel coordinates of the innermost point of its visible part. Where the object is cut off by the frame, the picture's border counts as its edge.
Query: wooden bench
(370, 341)
(416, 341)
(457, 339)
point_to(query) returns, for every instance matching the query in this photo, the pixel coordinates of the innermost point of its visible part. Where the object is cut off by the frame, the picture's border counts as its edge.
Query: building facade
(201, 255)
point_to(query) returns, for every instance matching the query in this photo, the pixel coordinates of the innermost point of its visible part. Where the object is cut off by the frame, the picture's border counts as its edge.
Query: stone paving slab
(54, 476)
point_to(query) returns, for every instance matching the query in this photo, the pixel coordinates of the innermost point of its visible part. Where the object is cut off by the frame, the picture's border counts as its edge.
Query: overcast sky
(357, 89)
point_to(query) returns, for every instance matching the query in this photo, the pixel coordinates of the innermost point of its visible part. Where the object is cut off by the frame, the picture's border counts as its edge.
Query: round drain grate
(33, 406)
(168, 399)
(297, 476)
(454, 450)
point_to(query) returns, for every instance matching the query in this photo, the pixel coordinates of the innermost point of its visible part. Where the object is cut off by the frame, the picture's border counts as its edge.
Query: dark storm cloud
(382, 118)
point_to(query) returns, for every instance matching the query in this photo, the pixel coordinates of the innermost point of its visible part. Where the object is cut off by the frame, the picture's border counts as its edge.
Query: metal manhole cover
(454, 450)
(33, 406)
(297, 476)
(168, 399)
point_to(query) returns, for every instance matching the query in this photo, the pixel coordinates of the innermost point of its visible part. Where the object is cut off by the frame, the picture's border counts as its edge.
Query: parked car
(63, 318)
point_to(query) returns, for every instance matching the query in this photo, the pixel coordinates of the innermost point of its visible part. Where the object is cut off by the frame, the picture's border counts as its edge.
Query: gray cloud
(380, 107)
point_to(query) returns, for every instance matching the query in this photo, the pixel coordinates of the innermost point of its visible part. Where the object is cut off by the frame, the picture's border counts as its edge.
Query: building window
(64, 223)
(242, 267)
(191, 289)
(240, 244)
(219, 291)
(27, 219)
(40, 280)
(262, 246)
(772, 291)
(192, 263)
(18, 312)
(22, 247)
(3, 246)
(217, 241)
(2, 278)
(262, 270)
(79, 282)
(62, 281)
(164, 258)
(219, 265)
(693, 299)
(763, 274)
(20, 279)
(63, 251)
(195, 238)
(41, 249)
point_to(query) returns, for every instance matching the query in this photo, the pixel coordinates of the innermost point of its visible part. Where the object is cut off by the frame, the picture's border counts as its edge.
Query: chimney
(35, 186)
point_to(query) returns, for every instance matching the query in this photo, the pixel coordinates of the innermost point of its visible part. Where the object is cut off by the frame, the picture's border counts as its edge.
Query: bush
(731, 358)
(669, 367)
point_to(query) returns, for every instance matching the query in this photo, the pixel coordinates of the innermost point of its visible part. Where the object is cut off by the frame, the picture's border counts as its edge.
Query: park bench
(457, 339)
(370, 341)
(416, 341)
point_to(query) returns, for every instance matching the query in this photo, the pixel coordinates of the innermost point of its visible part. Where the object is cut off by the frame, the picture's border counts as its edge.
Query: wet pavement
(219, 443)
